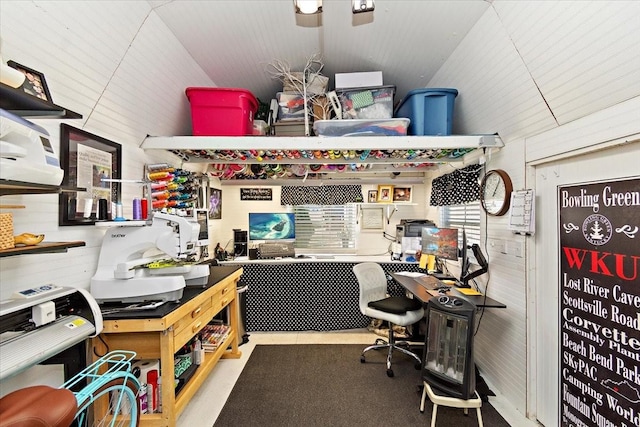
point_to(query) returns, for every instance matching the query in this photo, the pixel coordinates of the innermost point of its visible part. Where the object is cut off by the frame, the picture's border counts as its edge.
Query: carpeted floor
(326, 385)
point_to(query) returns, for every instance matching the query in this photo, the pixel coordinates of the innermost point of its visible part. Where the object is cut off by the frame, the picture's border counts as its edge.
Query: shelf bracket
(390, 213)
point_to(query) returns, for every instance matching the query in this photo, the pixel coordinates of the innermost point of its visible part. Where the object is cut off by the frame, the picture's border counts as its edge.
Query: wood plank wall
(529, 70)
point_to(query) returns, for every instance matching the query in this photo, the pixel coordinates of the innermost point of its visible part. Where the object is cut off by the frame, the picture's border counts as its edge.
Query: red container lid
(190, 91)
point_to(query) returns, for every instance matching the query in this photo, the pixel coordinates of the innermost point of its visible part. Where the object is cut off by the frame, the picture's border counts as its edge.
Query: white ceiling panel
(583, 55)
(234, 41)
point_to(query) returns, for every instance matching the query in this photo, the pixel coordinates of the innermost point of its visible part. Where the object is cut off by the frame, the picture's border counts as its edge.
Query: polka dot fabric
(307, 296)
(455, 188)
(320, 195)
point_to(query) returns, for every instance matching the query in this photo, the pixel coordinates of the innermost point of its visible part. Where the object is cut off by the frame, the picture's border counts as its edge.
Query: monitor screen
(272, 226)
(440, 242)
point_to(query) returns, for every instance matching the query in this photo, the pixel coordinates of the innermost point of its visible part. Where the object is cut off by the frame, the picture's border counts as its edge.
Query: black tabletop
(410, 284)
(216, 274)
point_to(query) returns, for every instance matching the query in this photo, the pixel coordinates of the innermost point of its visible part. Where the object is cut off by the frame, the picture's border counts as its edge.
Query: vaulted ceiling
(235, 41)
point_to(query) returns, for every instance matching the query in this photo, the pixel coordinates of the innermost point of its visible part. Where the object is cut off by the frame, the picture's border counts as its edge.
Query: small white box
(363, 79)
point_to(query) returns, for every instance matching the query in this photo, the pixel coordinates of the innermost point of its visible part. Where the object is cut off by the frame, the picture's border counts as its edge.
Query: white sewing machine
(26, 154)
(38, 323)
(122, 275)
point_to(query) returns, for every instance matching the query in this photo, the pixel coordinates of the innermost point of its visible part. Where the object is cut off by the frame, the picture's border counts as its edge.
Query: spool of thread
(119, 214)
(144, 208)
(88, 206)
(137, 209)
(102, 209)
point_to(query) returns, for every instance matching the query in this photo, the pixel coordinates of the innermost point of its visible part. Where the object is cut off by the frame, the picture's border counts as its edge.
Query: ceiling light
(308, 7)
(359, 6)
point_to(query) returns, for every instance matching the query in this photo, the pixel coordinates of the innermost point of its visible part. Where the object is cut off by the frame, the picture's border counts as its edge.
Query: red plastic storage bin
(219, 111)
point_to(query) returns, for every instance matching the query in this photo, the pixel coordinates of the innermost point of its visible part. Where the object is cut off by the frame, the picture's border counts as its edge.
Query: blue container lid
(422, 91)
(429, 90)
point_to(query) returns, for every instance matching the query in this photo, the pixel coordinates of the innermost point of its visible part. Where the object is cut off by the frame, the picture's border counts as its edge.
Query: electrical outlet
(515, 248)
(498, 245)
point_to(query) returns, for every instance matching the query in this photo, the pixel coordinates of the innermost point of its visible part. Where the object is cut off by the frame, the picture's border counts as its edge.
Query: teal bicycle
(108, 379)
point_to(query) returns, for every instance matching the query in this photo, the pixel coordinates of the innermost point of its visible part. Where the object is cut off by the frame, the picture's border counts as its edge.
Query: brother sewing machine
(38, 323)
(26, 154)
(133, 266)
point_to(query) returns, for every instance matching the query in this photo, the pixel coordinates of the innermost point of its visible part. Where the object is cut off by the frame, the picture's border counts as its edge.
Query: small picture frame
(402, 194)
(385, 193)
(34, 82)
(372, 218)
(373, 196)
(215, 204)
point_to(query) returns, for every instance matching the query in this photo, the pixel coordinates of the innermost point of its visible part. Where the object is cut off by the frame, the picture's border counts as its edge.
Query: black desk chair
(375, 303)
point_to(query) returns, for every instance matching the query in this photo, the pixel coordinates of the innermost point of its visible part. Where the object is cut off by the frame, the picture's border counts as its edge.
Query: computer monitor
(272, 226)
(440, 242)
(202, 218)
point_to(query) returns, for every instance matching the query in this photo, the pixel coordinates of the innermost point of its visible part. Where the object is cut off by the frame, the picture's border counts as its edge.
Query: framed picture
(385, 193)
(372, 218)
(215, 204)
(402, 194)
(87, 159)
(34, 82)
(373, 196)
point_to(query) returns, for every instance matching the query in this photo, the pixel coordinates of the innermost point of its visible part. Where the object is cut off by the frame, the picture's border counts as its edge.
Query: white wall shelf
(257, 149)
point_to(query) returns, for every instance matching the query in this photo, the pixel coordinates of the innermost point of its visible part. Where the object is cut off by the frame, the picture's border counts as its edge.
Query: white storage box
(351, 80)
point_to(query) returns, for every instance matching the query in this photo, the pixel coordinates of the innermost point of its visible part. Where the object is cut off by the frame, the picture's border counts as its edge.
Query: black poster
(600, 304)
(256, 194)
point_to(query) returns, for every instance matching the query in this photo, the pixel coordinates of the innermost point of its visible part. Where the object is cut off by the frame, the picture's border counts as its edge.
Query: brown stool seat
(38, 406)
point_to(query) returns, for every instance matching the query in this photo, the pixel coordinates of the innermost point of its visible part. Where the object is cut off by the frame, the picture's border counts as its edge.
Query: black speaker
(240, 243)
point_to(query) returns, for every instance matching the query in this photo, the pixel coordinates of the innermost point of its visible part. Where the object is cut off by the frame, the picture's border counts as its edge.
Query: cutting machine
(38, 323)
(128, 252)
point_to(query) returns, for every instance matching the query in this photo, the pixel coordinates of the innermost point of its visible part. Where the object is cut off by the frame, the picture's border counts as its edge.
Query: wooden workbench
(159, 334)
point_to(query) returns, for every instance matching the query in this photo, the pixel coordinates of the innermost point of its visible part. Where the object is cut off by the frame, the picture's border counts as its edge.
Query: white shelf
(206, 149)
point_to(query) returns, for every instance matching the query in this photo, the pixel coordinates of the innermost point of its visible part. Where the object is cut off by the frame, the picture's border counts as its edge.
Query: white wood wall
(529, 71)
(526, 67)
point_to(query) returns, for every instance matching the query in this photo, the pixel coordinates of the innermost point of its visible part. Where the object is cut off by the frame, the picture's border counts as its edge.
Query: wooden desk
(413, 286)
(159, 334)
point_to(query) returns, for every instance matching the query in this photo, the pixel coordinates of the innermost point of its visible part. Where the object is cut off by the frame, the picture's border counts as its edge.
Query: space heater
(448, 363)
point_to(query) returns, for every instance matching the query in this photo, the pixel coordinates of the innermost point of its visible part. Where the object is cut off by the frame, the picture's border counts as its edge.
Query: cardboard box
(362, 79)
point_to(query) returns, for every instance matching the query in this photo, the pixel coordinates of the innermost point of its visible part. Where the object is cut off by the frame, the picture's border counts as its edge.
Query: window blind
(327, 228)
(461, 216)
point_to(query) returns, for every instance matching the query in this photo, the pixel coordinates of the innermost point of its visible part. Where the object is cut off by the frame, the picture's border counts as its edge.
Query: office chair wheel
(417, 366)
(390, 373)
(362, 359)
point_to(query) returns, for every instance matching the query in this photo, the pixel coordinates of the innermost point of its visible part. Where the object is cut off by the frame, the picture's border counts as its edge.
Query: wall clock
(495, 192)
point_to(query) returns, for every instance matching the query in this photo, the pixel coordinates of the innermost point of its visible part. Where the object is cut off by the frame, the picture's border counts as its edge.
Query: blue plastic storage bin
(430, 111)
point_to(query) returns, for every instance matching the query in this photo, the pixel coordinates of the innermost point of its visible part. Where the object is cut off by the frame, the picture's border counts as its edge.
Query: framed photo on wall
(34, 82)
(215, 204)
(372, 196)
(385, 193)
(402, 194)
(372, 218)
(86, 160)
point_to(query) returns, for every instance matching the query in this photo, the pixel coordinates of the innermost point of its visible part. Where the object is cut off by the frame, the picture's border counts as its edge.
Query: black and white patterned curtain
(455, 188)
(321, 195)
